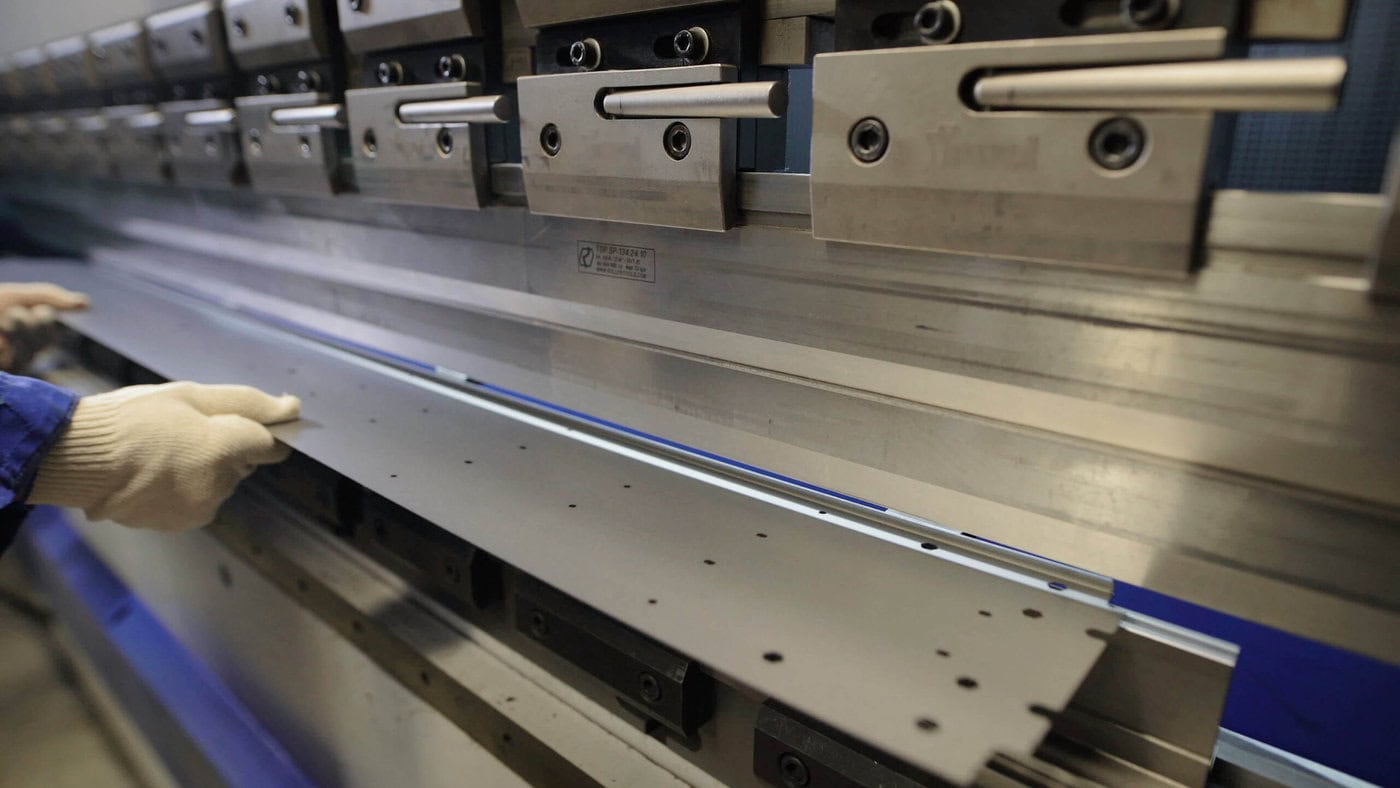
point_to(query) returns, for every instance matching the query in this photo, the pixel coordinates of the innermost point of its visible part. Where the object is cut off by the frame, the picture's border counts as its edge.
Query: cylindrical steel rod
(718, 100)
(331, 116)
(1296, 84)
(143, 121)
(90, 123)
(203, 120)
(52, 125)
(476, 109)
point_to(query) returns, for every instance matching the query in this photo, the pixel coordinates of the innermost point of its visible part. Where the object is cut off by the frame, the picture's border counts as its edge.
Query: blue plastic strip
(1327, 705)
(224, 730)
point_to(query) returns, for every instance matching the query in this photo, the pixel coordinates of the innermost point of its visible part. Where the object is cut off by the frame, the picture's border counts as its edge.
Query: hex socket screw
(649, 688)
(868, 140)
(794, 771)
(938, 22)
(1148, 14)
(388, 72)
(451, 67)
(586, 54)
(691, 44)
(550, 139)
(1117, 143)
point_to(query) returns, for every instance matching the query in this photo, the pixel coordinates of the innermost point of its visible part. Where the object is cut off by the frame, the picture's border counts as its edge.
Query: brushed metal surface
(188, 42)
(290, 159)
(1018, 184)
(203, 142)
(618, 169)
(263, 33)
(405, 162)
(558, 508)
(135, 143)
(378, 25)
(122, 55)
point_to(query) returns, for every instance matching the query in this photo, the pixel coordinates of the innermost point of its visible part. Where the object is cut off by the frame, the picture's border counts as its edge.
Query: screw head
(794, 771)
(211, 147)
(676, 141)
(938, 22)
(267, 83)
(444, 142)
(868, 140)
(691, 44)
(388, 72)
(357, 5)
(369, 144)
(305, 147)
(1117, 143)
(240, 28)
(649, 688)
(308, 81)
(451, 67)
(586, 54)
(1148, 14)
(539, 626)
(197, 36)
(255, 142)
(292, 14)
(550, 139)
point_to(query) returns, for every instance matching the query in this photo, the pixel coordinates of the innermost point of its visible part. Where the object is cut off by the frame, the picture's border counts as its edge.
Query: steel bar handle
(51, 126)
(144, 121)
(1294, 84)
(91, 123)
(331, 116)
(476, 109)
(1299, 84)
(221, 119)
(717, 100)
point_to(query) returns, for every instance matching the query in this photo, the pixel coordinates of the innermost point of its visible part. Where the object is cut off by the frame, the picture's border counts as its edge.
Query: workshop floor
(48, 736)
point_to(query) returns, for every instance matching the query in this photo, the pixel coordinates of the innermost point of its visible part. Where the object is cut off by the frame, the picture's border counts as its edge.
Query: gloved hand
(27, 313)
(163, 457)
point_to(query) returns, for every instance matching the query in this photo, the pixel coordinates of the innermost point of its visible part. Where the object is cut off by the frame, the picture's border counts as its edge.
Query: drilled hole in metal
(925, 724)
(1031, 612)
(985, 613)
(772, 656)
(929, 546)
(967, 682)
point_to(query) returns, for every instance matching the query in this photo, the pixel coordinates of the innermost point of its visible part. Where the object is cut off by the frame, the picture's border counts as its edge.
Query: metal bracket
(653, 680)
(370, 26)
(86, 142)
(466, 578)
(136, 144)
(795, 751)
(72, 65)
(263, 33)
(903, 154)
(290, 142)
(581, 163)
(877, 24)
(122, 55)
(203, 142)
(188, 43)
(423, 144)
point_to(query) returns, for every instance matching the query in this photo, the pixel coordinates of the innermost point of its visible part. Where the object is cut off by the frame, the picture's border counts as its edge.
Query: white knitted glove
(27, 320)
(163, 457)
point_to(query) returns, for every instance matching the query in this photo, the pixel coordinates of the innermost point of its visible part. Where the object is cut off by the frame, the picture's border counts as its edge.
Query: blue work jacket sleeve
(32, 416)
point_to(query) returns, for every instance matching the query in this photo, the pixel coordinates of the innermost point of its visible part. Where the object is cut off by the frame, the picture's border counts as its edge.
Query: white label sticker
(622, 262)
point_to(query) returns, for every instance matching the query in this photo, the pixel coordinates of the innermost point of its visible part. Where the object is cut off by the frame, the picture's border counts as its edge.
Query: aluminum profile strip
(785, 599)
